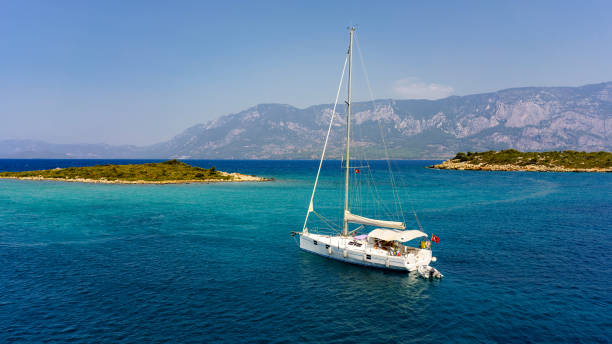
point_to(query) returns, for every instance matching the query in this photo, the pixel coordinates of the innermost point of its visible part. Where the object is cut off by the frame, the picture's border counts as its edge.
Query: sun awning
(390, 234)
(352, 218)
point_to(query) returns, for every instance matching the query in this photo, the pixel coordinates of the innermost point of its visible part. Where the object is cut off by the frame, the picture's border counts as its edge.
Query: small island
(168, 172)
(513, 160)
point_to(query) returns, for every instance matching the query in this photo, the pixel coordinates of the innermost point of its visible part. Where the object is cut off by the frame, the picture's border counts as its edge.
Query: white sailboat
(385, 246)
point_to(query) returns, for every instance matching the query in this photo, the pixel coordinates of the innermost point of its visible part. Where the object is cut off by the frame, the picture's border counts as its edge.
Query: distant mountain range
(527, 119)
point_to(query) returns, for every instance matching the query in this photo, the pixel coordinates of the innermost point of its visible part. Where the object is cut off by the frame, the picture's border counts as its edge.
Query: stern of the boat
(417, 258)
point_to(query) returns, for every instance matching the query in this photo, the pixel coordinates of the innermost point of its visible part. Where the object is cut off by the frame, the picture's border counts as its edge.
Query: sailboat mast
(348, 133)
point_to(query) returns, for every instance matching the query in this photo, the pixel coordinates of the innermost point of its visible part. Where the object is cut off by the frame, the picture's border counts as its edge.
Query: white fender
(345, 253)
(329, 250)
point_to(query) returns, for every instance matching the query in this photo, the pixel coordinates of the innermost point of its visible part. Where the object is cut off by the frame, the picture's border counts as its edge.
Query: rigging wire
(328, 222)
(367, 195)
(393, 185)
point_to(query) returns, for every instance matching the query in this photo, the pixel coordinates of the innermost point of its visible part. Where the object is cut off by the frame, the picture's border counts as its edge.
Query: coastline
(235, 178)
(466, 166)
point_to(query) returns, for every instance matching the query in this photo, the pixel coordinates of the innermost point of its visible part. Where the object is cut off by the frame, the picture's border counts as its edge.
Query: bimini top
(391, 234)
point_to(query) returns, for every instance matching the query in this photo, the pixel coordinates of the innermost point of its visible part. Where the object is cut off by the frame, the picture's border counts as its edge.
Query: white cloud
(413, 88)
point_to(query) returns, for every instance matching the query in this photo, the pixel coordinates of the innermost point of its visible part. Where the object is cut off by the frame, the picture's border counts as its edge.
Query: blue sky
(139, 72)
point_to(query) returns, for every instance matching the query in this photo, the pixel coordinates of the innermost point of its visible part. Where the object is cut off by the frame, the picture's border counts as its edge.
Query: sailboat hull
(345, 249)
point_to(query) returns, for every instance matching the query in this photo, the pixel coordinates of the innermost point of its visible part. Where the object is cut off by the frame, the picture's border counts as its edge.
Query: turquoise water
(526, 258)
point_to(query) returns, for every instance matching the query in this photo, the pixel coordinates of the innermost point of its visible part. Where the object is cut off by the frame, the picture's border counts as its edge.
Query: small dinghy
(429, 272)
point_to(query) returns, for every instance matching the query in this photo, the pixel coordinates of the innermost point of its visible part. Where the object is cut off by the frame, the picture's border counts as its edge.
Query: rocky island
(513, 160)
(168, 172)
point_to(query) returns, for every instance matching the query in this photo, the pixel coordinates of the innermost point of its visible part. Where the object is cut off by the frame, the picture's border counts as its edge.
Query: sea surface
(527, 257)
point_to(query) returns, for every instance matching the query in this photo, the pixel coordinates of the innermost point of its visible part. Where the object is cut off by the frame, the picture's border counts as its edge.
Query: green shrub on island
(461, 157)
(565, 159)
(163, 171)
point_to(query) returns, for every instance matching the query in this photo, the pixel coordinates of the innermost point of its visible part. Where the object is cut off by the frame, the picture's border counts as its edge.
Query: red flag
(356, 170)
(435, 239)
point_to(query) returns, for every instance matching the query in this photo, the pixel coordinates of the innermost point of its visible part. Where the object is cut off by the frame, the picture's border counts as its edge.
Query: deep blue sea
(527, 257)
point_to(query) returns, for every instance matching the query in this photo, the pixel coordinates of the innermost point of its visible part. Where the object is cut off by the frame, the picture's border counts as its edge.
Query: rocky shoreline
(458, 165)
(234, 177)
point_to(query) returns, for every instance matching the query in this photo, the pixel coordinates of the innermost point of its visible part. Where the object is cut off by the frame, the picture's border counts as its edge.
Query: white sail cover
(390, 234)
(352, 218)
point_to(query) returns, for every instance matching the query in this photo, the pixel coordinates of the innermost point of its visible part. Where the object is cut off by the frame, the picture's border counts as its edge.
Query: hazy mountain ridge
(41, 149)
(528, 119)
(533, 119)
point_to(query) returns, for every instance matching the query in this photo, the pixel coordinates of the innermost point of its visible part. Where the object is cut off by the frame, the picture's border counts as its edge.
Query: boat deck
(361, 252)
